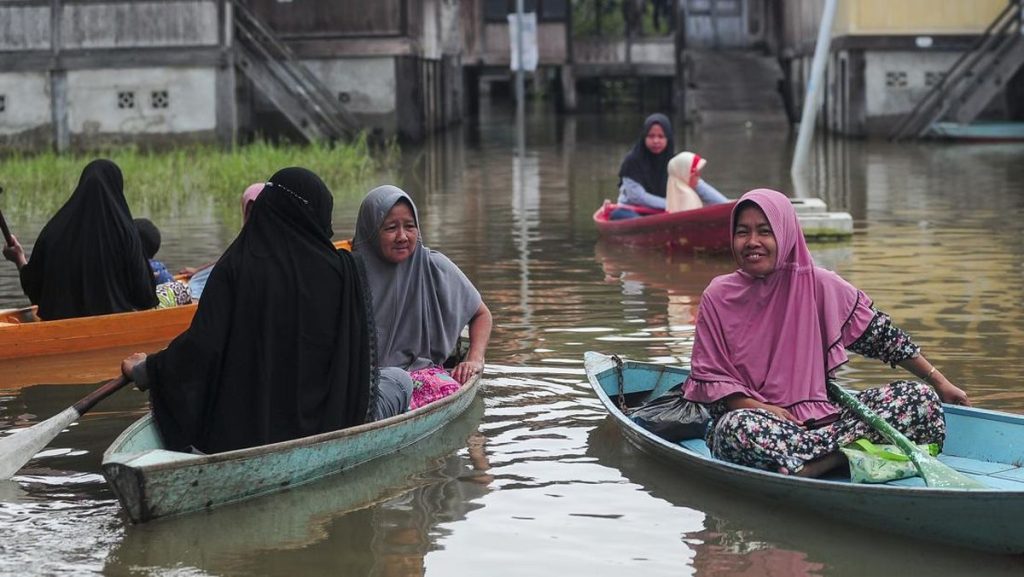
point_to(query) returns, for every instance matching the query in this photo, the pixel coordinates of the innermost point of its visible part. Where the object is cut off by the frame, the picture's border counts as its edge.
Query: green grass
(189, 179)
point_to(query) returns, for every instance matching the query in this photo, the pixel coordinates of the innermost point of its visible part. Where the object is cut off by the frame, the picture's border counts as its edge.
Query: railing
(956, 86)
(297, 93)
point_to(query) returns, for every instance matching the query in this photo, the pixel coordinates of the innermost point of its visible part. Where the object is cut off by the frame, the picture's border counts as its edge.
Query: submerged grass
(186, 180)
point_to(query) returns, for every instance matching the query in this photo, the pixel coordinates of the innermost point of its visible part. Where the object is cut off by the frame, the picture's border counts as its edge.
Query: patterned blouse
(881, 340)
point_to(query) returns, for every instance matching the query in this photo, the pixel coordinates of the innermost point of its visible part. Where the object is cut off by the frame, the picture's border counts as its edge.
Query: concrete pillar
(226, 79)
(568, 79)
(58, 82)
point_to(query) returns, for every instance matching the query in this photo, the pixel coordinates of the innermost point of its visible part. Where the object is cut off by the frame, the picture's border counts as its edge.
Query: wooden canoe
(707, 229)
(986, 445)
(85, 349)
(151, 482)
(23, 335)
(294, 520)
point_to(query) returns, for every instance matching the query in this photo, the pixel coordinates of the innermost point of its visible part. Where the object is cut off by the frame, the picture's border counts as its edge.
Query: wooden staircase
(273, 69)
(973, 81)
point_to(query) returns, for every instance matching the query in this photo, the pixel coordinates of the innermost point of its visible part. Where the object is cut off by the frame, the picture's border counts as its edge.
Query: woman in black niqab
(88, 258)
(280, 347)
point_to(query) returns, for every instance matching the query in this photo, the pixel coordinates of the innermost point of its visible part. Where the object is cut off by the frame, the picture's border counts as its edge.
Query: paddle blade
(940, 475)
(19, 448)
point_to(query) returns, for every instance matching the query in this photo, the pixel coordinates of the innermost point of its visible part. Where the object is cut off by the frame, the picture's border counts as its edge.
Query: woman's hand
(15, 253)
(130, 363)
(738, 401)
(952, 394)
(467, 370)
(781, 413)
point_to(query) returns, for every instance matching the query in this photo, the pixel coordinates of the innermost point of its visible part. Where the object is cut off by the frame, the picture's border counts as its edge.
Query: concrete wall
(886, 17)
(137, 24)
(896, 81)
(164, 101)
(365, 86)
(916, 16)
(143, 71)
(26, 97)
(24, 27)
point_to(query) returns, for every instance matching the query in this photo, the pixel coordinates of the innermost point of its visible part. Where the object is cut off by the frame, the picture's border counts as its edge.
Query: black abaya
(280, 346)
(88, 259)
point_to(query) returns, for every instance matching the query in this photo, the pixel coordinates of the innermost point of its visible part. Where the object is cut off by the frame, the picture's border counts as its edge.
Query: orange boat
(85, 349)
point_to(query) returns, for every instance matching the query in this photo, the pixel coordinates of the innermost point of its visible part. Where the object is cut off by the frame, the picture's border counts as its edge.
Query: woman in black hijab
(88, 259)
(643, 175)
(280, 347)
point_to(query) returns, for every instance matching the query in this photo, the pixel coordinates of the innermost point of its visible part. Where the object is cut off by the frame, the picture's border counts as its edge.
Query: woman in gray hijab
(421, 299)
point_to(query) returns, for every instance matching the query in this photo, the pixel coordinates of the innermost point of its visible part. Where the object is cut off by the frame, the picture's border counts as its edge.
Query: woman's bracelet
(928, 377)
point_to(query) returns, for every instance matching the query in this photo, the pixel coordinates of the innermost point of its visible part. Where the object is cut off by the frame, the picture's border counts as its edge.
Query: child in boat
(771, 334)
(169, 292)
(91, 238)
(149, 234)
(421, 301)
(280, 346)
(644, 173)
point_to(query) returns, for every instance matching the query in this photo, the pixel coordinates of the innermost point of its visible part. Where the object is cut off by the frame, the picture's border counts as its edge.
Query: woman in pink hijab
(771, 334)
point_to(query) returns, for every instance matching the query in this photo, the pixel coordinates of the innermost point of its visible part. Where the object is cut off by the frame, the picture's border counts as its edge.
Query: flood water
(535, 479)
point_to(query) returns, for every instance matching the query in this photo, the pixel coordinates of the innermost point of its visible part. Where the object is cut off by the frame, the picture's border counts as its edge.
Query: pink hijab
(249, 197)
(775, 339)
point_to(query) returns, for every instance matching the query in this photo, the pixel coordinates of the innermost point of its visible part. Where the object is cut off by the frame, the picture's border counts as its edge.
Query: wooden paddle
(8, 238)
(934, 472)
(19, 448)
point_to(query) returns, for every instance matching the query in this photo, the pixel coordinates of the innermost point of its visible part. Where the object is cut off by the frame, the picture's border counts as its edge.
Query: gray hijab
(421, 304)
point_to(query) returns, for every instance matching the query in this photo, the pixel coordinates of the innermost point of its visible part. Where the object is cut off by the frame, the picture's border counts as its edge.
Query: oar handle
(99, 394)
(8, 238)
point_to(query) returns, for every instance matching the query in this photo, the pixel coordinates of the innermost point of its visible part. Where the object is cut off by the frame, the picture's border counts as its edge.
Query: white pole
(520, 85)
(815, 88)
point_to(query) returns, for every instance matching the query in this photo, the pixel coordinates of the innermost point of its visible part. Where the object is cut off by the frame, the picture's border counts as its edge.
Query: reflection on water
(560, 492)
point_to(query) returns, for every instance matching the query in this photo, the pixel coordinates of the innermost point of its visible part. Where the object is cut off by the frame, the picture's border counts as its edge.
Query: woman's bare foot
(822, 465)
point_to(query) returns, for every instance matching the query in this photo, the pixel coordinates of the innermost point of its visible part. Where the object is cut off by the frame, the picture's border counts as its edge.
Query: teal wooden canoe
(151, 482)
(986, 445)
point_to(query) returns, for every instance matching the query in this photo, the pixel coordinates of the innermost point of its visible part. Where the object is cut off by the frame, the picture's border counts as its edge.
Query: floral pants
(757, 438)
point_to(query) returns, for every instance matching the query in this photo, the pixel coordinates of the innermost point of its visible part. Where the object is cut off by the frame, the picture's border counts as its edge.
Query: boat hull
(151, 482)
(701, 230)
(46, 338)
(985, 444)
(707, 229)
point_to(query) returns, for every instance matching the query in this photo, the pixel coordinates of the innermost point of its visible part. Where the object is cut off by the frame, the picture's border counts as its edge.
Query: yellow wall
(888, 17)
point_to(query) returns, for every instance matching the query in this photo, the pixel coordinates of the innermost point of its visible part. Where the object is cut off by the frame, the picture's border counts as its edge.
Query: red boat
(701, 230)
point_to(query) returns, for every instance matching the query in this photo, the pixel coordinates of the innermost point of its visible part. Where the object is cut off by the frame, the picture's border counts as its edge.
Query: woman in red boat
(644, 173)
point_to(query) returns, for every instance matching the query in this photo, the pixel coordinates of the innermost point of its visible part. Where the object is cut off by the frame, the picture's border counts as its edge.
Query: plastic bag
(672, 417)
(871, 463)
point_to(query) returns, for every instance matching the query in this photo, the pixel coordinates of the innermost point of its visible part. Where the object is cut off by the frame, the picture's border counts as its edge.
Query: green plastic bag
(871, 463)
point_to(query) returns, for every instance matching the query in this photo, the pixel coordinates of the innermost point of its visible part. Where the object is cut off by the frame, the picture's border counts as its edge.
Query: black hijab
(646, 168)
(149, 234)
(88, 259)
(280, 347)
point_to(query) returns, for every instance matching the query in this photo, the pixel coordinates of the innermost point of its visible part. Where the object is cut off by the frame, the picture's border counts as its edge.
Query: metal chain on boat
(622, 392)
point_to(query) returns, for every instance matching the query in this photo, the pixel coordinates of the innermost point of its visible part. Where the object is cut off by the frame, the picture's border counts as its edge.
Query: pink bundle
(429, 385)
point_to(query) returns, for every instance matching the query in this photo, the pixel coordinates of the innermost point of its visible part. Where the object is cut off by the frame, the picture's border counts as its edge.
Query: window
(126, 99)
(896, 79)
(159, 99)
